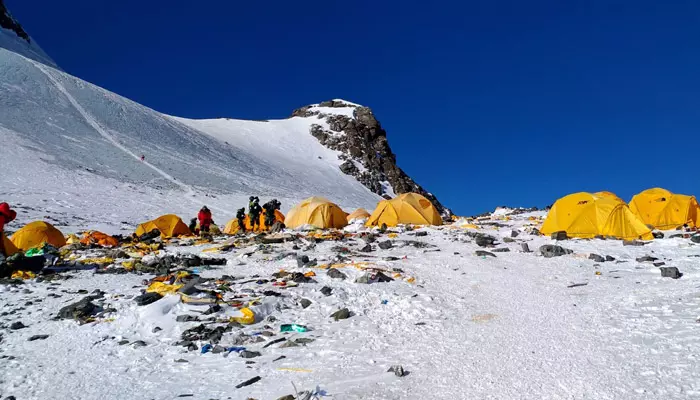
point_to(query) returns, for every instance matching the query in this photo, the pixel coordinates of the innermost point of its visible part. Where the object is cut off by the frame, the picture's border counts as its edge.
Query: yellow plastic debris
(248, 317)
(310, 274)
(411, 280)
(163, 288)
(102, 260)
(23, 275)
(72, 239)
(598, 273)
(393, 235)
(129, 265)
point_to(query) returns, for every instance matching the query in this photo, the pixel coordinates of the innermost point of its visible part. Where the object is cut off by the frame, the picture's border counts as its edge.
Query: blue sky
(485, 103)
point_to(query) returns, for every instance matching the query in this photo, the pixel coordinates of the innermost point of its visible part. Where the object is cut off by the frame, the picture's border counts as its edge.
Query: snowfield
(473, 327)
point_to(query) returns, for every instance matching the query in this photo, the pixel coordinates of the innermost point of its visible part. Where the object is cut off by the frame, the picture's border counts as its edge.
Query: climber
(270, 207)
(7, 215)
(254, 211)
(205, 221)
(193, 226)
(240, 216)
(143, 157)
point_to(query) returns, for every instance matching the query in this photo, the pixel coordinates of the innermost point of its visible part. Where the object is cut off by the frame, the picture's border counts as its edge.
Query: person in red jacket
(205, 220)
(7, 215)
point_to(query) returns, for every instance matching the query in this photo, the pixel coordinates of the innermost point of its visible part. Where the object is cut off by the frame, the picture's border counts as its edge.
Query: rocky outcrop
(7, 22)
(364, 148)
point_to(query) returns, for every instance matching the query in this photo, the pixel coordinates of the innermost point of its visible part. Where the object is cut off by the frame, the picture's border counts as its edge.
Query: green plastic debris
(293, 328)
(36, 251)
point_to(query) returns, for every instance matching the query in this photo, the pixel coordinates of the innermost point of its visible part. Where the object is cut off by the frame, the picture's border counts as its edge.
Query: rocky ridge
(354, 131)
(8, 22)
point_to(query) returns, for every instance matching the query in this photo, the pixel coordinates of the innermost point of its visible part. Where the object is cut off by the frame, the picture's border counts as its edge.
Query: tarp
(169, 225)
(665, 210)
(35, 234)
(232, 228)
(586, 215)
(407, 208)
(316, 211)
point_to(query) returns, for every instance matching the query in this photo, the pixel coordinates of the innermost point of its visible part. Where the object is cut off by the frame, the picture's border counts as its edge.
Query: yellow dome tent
(35, 234)
(9, 247)
(169, 225)
(316, 211)
(586, 215)
(360, 213)
(407, 208)
(231, 227)
(665, 210)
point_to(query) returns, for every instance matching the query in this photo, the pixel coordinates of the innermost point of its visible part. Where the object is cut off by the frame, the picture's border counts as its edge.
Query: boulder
(670, 272)
(596, 258)
(484, 240)
(550, 250)
(335, 274)
(525, 248)
(483, 253)
(632, 243)
(695, 238)
(343, 313)
(385, 245)
(560, 235)
(646, 259)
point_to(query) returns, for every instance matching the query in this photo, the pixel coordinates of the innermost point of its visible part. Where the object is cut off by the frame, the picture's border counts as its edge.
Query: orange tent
(232, 228)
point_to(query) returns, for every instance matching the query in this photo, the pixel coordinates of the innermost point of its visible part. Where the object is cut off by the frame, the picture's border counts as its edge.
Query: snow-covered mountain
(73, 148)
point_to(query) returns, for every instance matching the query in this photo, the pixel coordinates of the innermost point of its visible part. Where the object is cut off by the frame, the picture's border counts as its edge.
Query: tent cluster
(315, 212)
(588, 215)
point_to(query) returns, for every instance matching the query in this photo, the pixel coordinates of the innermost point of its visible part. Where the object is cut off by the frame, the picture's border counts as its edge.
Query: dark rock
(484, 240)
(695, 239)
(80, 310)
(302, 260)
(525, 248)
(305, 303)
(609, 258)
(483, 253)
(508, 240)
(139, 343)
(421, 233)
(560, 235)
(366, 248)
(216, 349)
(658, 235)
(676, 235)
(287, 397)
(646, 259)
(632, 243)
(670, 272)
(596, 258)
(326, 291)
(386, 245)
(343, 313)
(147, 298)
(123, 342)
(303, 341)
(157, 329)
(181, 360)
(186, 318)
(501, 250)
(249, 354)
(17, 325)
(659, 264)
(270, 343)
(550, 250)
(336, 274)
(288, 344)
(514, 233)
(38, 337)
(397, 370)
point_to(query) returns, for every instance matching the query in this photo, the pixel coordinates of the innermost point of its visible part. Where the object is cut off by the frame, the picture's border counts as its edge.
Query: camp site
(349, 201)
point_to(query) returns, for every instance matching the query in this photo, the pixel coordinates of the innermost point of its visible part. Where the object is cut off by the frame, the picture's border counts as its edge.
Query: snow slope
(64, 127)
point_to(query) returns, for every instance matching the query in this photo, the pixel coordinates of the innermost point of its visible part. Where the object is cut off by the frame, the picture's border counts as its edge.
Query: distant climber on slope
(143, 158)
(205, 221)
(7, 215)
(254, 211)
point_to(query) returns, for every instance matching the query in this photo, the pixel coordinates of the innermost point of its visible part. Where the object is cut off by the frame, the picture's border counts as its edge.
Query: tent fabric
(232, 227)
(586, 215)
(360, 213)
(407, 208)
(99, 238)
(35, 234)
(610, 195)
(665, 210)
(316, 211)
(169, 225)
(10, 248)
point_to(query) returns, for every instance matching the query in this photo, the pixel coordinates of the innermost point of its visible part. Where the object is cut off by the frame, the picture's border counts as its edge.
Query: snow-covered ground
(472, 327)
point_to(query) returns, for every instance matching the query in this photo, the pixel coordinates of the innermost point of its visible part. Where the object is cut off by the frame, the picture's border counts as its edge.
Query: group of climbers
(205, 220)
